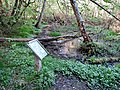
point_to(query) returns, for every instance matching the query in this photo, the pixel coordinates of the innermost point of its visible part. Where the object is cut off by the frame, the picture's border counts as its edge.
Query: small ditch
(65, 49)
(70, 49)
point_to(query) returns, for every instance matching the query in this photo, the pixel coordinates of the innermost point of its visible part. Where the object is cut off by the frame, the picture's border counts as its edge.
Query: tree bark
(14, 8)
(80, 21)
(18, 8)
(0, 3)
(41, 15)
(1, 9)
(27, 4)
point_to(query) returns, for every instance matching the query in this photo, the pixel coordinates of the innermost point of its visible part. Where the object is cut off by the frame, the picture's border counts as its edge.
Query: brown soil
(69, 83)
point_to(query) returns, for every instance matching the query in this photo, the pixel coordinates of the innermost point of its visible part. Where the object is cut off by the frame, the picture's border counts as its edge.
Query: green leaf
(1, 64)
(107, 1)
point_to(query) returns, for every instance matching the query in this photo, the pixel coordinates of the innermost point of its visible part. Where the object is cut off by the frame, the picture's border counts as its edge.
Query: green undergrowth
(96, 20)
(27, 29)
(97, 49)
(54, 34)
(18, 29)
(104, 34)
(106, 39)
(67, 28)
(17, 71)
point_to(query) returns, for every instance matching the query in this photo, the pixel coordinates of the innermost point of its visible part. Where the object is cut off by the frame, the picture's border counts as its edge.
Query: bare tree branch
(105, 10)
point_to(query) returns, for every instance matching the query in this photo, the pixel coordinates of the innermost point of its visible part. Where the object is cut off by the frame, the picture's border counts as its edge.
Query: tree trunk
(79, 18)
(2, 10)
(18, 8)
(0, 3)
(14, 8)
(41, 15)
(27, 4)
(1, 7)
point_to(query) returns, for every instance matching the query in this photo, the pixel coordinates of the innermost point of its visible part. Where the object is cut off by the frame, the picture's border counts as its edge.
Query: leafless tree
(80, 21)
(41, 15)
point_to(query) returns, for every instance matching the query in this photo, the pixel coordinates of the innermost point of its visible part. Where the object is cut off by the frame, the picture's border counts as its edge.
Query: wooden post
(38, 64)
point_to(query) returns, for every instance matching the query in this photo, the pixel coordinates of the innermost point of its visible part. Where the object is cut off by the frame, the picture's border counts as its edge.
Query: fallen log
(40, 39)
(103, 60)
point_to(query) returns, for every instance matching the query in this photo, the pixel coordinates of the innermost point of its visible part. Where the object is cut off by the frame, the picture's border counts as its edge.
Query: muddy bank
(65, 49)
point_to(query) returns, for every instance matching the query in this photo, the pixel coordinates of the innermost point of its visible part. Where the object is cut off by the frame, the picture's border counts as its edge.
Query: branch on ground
(103, 60)
(40, 39)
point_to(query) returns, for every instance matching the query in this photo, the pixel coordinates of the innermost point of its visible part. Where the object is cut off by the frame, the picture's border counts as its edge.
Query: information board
(38, 48)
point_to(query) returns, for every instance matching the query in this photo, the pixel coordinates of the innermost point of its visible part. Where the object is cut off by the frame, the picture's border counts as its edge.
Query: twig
(105, 10)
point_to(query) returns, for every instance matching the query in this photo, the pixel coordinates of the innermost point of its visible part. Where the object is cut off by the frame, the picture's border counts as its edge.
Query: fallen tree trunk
(103, 60)
(40, 39)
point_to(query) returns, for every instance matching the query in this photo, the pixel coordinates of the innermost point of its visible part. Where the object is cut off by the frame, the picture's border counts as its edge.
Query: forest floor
(69, 83)
(105, 43)
(70, 64)
(105, 51)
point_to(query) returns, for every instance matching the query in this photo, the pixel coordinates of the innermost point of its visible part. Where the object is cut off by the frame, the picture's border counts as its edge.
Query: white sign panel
(37, 48)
